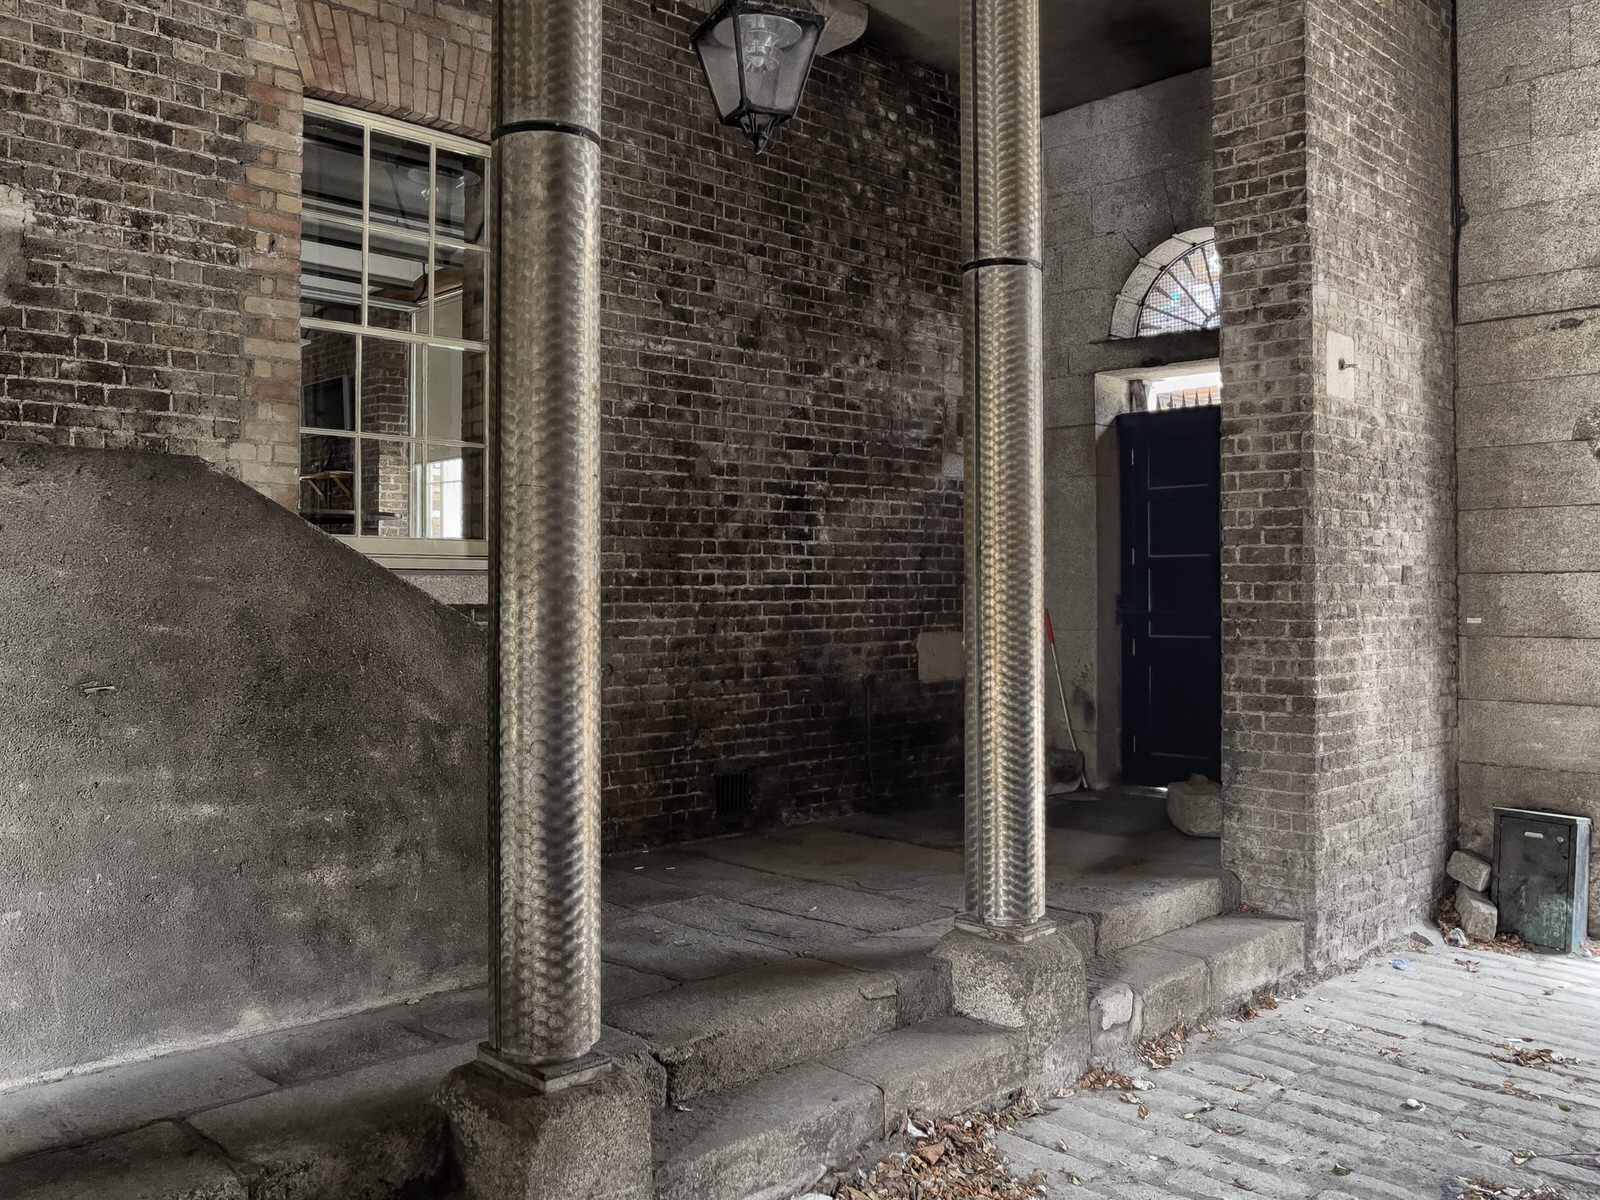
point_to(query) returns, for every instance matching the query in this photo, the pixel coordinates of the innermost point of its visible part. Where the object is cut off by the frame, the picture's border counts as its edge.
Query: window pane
(459, 196)
(459, 293)
(1185, 295)
(399, 183)
(386, 484)
(330, 271)
(327, 379)
(452, 493)
(327, 482)
(332, 169)
(388, 387)
(397, 283)
(456, 394)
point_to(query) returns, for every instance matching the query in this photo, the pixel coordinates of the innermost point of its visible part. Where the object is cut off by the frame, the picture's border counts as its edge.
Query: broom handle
(1061, 688)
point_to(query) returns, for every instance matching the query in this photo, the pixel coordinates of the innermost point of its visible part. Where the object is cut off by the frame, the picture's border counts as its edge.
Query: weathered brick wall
(1529, 410)
(1121, 176)
(781, 338)
(1333, 212)
(135, 299)
(781, 350)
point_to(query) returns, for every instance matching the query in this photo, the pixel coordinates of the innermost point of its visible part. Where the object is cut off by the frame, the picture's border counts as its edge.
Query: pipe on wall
(544, 714)
(1003, 444)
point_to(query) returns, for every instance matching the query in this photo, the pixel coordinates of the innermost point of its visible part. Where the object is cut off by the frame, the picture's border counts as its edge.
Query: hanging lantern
(757, 57)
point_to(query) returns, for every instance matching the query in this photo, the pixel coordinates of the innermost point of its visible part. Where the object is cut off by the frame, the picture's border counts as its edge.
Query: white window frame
(411, 553)
(1126, 318)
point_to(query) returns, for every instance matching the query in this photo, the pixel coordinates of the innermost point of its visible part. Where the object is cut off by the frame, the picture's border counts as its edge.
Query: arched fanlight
(757, 58)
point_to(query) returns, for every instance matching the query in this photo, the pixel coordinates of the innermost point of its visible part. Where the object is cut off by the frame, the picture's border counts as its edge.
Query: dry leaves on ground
(1160, 1053)
(1448, 919)
(1527, 1056)
(1102, 1080)
(954, 1159)
(1479, 1189)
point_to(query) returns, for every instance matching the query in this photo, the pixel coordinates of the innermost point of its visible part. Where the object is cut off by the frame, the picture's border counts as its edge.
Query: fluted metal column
(544, 710)
(1003, 298)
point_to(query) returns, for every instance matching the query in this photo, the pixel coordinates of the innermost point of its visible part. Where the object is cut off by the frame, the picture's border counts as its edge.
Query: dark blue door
(1171, 602)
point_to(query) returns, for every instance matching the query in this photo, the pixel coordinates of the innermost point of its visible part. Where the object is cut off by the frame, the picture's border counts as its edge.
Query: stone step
(1147, 989)
(714, 1034)
(772, 1138)
(1108, 912)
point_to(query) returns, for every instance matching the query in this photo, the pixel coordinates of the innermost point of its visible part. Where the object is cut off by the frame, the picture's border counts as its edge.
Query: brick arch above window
(1176, 288)
(432, 67)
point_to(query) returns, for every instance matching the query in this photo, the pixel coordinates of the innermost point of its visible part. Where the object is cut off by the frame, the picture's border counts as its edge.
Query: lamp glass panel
(720, 55)
(796, 66)
(768, 41)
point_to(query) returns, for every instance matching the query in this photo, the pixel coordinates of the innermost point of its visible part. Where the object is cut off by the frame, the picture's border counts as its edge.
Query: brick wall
(1122, 175)
(1333, 186)
(137, 304)
(781, 350)
(1529, 408)
(781, 339)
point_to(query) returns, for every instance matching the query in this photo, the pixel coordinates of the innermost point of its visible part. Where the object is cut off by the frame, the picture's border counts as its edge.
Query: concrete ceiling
(1088, 48)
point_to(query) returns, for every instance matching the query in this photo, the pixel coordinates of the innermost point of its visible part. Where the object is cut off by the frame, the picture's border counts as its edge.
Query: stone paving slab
(783, 931)
(1318, 1087)
(83, 1107)
(719, 1033)
(923, 987)
(159, 1162)
(765, 1140)
(363, 1135)
(1127, 911)
(330, 1047)
(657, 945)
(939, 1067)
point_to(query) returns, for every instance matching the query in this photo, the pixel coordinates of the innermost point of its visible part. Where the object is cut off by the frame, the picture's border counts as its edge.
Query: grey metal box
(1541, 876)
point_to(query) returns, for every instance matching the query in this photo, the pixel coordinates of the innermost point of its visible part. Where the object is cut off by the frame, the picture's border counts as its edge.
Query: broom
(1076, 762)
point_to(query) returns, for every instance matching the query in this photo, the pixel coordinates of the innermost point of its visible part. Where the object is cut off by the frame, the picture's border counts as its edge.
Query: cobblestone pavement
(1311, 1099)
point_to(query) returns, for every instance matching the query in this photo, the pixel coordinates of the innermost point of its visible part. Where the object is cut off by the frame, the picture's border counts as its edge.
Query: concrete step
(772, 1138)
(1145, 990)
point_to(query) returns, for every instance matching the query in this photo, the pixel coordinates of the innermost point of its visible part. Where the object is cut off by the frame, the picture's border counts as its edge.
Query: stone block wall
(1122, 175)
(1333, 211)
(781, 342)
(1529, 413)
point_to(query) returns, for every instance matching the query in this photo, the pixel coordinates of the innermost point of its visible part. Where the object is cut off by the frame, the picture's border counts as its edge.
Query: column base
(545, 1079)
(1018, 933)
(581, 1142)
(1037, 988)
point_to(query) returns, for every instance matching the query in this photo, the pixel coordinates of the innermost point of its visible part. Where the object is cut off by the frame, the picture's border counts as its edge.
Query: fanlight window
(1174, 289)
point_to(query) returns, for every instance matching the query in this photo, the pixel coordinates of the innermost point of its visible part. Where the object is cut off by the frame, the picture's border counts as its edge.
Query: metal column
(544, 707)
(1003, 300)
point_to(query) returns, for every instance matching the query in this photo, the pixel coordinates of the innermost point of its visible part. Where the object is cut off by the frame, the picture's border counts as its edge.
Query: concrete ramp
(242, 769)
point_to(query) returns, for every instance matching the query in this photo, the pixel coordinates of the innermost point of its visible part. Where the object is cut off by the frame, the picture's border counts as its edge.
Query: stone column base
(1037, 987)
(590, 1142)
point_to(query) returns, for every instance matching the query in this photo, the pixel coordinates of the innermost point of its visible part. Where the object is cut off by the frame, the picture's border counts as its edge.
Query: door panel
(1171, 603)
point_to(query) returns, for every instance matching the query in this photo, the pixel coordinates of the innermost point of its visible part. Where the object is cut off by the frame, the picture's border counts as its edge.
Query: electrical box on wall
(1541, 873)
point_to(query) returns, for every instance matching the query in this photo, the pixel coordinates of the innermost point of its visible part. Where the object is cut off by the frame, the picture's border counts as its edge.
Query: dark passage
(1170, 605)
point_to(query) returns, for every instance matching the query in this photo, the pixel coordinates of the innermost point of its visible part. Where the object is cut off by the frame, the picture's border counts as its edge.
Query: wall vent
(732, 792)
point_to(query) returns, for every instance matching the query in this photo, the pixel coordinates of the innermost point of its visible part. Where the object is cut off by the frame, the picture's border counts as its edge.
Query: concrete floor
(1317, 1088)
